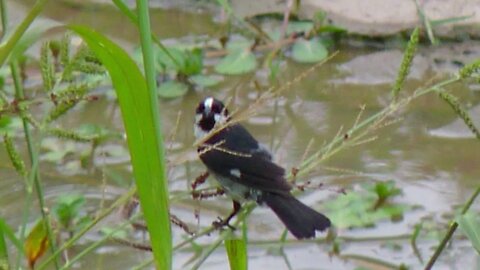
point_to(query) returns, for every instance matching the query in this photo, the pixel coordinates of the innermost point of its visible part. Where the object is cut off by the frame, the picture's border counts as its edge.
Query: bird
(245, 170)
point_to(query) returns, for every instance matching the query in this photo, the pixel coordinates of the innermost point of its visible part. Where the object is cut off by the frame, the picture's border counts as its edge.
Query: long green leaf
(144, 139)
(471, 227)
(3, 251)
(237, 253)
(7, 47)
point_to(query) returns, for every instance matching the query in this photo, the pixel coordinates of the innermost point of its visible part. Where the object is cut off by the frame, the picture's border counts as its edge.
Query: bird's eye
(216, 108)
(200, 108)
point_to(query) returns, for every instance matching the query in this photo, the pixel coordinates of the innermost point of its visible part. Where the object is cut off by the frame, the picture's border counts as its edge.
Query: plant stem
(33, 154)
(7, 47)
(157, 214)
(94, 246)
(3, 251)
(450, 232)
(338, 143)
(133, 18)
(3, 13)
(383, 264)
(120, 201)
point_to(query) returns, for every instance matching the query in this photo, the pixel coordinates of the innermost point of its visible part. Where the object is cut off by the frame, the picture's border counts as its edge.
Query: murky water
(429, 153)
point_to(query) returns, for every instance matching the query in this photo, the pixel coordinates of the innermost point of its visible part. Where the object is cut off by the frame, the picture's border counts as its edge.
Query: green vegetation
(35, 135)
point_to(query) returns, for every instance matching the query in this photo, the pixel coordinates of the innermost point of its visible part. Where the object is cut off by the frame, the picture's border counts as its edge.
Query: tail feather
(301, 220)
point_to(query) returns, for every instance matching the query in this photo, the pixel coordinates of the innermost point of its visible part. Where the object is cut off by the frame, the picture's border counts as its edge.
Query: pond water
(428, 153)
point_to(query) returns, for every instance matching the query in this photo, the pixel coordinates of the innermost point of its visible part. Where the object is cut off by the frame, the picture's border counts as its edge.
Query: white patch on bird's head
(199, 132)
(208, 104)
(210, 113)
(220, 118)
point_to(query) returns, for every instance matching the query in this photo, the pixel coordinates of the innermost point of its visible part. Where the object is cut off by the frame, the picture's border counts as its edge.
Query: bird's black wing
(238, 155)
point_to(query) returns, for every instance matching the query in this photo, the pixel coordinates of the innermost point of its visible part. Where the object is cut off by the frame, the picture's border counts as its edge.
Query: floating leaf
(361, 208)
(309, 51)
(206, 81)
(67, 208)
(237, 253)
(172, 89)
(471, 227)
(167, 63)
(36, 243)
(237, 62)
(193, 62)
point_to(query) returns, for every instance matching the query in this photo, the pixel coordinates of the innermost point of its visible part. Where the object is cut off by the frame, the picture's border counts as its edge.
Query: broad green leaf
(67, 208)
(237, 254)
(237, 62)
(239, 44)
(8, 232)
(166, 63)
(36, 243)
(144, 140)
(172, 89)
(360, 209)
(193, 62)
(308, 51)
(470, 225)
(206, 80)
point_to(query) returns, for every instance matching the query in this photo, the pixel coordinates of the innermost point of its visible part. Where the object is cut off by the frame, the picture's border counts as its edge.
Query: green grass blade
(4, 19)
(4, 262)
(237, 253)
(8, 46)
(144, 139)
(133, 18)
(471, 227)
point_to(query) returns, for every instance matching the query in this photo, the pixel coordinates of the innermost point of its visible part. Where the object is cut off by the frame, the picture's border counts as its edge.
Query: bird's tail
(301, 220)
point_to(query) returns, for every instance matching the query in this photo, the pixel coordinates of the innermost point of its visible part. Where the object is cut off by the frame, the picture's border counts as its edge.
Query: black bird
(246, 171)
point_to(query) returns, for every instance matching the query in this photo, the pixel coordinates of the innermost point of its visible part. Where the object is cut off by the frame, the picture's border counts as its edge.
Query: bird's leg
(225, 222)
(200, 180)
(199, 195)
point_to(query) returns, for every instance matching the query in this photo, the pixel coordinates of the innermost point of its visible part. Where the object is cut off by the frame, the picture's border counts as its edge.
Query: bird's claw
(220, 223)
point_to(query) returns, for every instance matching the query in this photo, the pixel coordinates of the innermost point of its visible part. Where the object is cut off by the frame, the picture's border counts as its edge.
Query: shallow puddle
(428, 153)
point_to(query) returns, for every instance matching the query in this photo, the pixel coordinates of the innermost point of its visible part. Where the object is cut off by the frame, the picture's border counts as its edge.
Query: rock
(379, 17)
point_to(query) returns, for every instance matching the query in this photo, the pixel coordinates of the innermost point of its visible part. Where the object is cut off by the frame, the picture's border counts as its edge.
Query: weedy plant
(70, 74)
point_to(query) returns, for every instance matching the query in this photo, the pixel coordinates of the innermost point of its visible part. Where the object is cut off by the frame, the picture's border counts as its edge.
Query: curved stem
(450, 232)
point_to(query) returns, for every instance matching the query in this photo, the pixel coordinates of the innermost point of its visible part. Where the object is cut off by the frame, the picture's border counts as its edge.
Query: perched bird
(245, 170)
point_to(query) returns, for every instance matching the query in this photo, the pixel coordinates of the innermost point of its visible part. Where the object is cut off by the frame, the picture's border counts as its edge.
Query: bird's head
(209, 112)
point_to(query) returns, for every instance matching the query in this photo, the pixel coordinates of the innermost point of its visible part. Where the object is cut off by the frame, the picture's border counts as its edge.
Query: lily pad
(172, 89)
(309, 51)
(361, 208)
(237, 62)
(206, 80)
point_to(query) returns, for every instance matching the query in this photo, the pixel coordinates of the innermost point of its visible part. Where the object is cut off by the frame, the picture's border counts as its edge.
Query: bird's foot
(222, 223)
